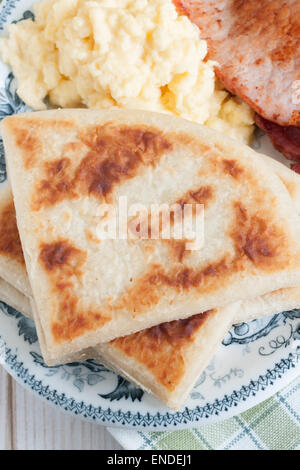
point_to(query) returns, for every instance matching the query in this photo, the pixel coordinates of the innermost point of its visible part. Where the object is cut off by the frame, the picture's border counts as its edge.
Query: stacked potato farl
(153, 309)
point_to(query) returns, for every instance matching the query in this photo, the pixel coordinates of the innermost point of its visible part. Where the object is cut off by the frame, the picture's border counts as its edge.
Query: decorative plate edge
(10, 361)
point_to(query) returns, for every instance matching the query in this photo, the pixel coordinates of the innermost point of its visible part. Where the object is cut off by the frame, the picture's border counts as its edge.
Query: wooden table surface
(27, 423)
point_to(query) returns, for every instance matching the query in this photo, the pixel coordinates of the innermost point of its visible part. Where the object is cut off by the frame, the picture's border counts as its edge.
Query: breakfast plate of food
(149, 207)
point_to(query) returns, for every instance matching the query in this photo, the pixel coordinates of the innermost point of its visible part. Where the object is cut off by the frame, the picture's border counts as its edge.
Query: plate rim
(230, 405)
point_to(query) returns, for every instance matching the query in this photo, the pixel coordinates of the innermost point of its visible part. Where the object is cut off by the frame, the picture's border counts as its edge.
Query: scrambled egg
(127, 53)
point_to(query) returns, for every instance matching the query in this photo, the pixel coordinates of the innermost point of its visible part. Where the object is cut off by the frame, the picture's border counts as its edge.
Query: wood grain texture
(27, 423)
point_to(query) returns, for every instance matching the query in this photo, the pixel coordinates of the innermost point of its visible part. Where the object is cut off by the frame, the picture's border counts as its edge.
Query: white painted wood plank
(5, 410)
(38, 425)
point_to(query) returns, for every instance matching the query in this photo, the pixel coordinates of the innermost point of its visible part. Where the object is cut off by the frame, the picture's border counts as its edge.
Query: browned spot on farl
(261, 242)
(91, 236)
(178, 249)
(232, 168)
(161, 348)
(29, 143)
(113, 154)
(203, 195)
(27, 135)
(10, 244)
(56, 186)
(61, 254)
(63, 263)
(76, 322)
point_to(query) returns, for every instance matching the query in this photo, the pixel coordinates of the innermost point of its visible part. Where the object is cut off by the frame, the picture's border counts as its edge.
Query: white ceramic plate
(255, 360)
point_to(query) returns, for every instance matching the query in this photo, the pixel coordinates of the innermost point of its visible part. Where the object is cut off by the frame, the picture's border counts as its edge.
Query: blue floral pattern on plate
(254, 361)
